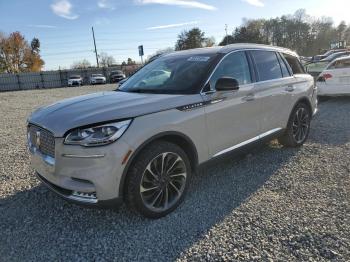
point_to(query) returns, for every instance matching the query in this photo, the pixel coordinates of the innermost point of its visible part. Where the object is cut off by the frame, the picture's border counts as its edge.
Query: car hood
(103, 107)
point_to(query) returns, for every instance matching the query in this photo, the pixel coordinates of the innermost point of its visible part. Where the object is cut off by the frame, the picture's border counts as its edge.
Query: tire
(153, 193)
(298, 127)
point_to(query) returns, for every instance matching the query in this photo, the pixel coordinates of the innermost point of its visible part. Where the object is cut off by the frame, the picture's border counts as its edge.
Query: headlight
(97, 136)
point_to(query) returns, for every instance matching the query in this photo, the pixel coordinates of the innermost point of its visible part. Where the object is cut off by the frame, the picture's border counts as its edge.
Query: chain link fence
(54, 79)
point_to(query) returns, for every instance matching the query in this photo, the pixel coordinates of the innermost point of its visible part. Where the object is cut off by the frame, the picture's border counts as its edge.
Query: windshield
(173, 74)
(74, 77)
(97, 75)
(317, 67)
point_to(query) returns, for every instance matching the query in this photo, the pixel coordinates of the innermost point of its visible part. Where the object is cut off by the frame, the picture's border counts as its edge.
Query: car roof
(342, 58)
(230, 48)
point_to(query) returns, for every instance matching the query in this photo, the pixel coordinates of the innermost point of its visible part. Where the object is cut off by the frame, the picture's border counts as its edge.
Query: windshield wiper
(142, 90)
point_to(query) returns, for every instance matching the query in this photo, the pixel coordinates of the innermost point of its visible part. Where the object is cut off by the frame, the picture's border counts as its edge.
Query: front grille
(42, 139)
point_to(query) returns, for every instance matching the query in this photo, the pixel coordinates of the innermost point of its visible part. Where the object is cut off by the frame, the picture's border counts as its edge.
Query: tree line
(300, 32)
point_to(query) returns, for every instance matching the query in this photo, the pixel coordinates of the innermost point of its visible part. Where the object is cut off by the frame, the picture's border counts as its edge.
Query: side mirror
(226, 84)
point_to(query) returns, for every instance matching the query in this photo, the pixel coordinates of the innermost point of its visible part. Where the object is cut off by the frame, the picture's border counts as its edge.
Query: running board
(248, 141)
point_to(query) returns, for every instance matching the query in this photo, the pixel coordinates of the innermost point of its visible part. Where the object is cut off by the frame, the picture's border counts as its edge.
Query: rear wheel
(158, 179)
(298, 127)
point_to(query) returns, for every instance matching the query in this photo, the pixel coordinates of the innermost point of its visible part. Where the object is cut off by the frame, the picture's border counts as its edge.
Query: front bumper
(88, 176)
(98, 81)
(74, 83)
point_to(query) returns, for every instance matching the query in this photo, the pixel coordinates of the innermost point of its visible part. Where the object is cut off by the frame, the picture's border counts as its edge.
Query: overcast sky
(64, 26)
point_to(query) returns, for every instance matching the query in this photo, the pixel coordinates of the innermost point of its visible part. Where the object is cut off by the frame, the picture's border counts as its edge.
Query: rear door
(274, 89)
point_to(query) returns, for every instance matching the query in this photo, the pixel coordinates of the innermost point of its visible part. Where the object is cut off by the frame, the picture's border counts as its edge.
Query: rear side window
(235, 65)
(340, 64)
(284, 68)
(267, 65)
(294, 64)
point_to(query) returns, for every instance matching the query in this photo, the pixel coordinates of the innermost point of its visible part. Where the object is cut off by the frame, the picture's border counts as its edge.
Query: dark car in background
(327, 54)
(116, 76)
(334, 56)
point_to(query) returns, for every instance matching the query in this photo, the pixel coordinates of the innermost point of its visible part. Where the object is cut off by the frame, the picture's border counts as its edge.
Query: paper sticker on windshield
(198, 58)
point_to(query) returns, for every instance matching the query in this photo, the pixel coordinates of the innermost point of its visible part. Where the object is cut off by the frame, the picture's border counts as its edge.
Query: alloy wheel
(163, 181)
(300, 125)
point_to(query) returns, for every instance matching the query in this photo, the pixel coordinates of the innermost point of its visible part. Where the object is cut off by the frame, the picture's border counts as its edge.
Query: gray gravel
(273, 204)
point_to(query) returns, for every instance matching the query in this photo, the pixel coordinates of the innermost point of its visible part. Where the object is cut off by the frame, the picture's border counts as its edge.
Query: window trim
(255, 66)
(206, 83)
(300, 64)
(281, 60)
(286, 63)
(247, 50)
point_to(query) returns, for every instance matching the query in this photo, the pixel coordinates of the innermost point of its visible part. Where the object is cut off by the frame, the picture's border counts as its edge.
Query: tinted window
(284, 68)
(234, 65)
(340, 64)
(267, 65)
(294, 64)
(177, 73)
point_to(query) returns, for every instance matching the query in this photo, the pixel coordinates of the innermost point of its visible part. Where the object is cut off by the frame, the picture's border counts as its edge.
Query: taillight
(324, 77)
(327, 76)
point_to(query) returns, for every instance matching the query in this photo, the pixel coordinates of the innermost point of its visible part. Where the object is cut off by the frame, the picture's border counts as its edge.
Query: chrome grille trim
(42, 139)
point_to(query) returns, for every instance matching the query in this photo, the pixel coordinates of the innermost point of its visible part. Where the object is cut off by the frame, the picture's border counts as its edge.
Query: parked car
(116, 76)
(97, 79)
(334, 56)
(326, 54)
(75, 80)
(142, 143)
(155, 78)
(335, 79)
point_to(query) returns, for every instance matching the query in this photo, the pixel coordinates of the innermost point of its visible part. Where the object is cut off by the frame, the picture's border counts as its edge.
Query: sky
(64, 26)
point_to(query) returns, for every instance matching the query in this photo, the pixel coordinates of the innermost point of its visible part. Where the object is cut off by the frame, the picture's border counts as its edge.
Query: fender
(193, 158)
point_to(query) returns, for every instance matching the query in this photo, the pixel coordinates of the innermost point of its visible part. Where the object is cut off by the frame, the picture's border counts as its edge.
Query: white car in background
(75, 80)
(155, 77)
(335, 78)
(97, 79)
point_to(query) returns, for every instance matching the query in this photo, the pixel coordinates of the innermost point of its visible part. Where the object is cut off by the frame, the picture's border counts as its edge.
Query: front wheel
(298, 127)
(158, 179)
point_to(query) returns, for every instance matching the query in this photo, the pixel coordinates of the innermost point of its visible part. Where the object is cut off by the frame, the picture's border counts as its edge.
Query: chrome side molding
(83, 156)
(247, 141)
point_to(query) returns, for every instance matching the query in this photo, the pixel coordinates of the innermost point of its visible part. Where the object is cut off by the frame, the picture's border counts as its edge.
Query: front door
(232, 117)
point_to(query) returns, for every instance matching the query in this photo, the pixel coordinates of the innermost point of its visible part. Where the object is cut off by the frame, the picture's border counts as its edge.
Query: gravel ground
(272, 204)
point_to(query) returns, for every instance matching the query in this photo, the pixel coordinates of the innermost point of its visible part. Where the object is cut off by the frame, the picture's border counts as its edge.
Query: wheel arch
(304, 100)
(174, 137)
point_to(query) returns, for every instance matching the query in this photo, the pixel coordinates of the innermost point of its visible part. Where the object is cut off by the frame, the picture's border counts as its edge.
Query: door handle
(249, 97)
(290, 88)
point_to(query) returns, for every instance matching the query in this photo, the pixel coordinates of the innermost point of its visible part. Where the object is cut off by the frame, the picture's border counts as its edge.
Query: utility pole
(93, 36)
(226, 34)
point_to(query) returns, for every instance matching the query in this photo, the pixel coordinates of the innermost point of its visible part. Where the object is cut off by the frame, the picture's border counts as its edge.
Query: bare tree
(81, 64)
(106, 60)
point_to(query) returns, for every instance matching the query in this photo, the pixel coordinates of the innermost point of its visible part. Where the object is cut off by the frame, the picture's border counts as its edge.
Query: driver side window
(235, 65)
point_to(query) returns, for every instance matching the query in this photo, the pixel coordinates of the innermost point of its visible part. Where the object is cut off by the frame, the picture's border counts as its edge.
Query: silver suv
(142, 143)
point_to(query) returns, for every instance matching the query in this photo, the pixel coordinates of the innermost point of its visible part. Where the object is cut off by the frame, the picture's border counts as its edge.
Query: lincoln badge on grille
(38, 139)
